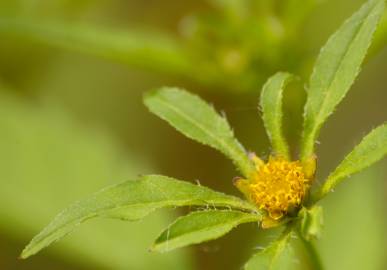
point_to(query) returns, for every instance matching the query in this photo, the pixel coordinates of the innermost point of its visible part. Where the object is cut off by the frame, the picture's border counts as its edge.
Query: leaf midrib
(156, 205)
(223, 143)
(334, 76)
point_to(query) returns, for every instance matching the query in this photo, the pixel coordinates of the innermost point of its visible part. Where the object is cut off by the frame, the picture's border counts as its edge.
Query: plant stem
(311, 251)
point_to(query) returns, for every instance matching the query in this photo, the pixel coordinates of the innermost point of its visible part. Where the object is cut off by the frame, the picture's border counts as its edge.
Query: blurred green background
(72, 75)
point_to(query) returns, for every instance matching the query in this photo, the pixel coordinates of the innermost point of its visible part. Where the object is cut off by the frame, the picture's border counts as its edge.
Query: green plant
(278, 191)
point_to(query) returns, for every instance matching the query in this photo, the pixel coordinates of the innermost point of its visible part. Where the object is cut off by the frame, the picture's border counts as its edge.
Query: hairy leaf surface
(199, 121)
(336, 68)
(271, 104)
(371, 149)
(199, 227)
(131, 200)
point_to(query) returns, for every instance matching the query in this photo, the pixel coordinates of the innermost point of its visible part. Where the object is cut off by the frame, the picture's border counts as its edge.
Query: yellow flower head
(276, 186)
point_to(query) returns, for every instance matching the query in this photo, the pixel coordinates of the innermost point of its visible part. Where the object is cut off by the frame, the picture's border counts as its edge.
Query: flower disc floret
(276, 186)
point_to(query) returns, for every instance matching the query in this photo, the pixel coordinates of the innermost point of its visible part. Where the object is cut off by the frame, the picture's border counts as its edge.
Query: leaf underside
(336, 68)
(202, 226)
(132, 200)
(199, 121)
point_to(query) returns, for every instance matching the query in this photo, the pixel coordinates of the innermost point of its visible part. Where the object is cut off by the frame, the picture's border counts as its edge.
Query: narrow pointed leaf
(131, 200)
(277, 256)
(371, 149)
(198, 121)
(336, 69)
(271, 104)
(143, 49)
(198, 227)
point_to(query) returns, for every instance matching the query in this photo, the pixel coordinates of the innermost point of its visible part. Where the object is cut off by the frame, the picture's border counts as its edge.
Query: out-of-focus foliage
(354, 232)
(48, 160)
(244, 41)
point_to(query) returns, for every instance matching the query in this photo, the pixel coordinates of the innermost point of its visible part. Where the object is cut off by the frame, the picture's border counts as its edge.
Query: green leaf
(198, 227)
(140, 48)
(336, 69)
(131, 200)
(198, 121)
(371, 149)
(271, 104)
(278, 255)
(49, 159)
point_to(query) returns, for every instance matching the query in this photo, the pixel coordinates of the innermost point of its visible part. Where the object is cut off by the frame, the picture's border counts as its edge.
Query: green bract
(335, 70)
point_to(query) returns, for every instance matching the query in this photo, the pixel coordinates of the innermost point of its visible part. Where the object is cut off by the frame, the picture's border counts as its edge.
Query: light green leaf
(144, 49)
(131, 200)
(271, 104)
(198, 227)
(277, 256)
(371, 149)
(336, 69)
(199, 121)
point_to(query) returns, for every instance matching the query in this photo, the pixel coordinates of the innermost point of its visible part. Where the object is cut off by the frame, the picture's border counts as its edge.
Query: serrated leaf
(271, 104)
(199, 121)
(198, 227)
(131, 200)
(140, 48)
(336, 68)
(371, 149)
(277, 256)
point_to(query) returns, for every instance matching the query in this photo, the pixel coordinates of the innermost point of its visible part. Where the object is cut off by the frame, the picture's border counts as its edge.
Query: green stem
(311, 251)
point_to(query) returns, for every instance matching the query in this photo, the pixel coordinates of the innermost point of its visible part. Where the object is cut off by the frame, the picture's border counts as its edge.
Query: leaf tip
(25, 254)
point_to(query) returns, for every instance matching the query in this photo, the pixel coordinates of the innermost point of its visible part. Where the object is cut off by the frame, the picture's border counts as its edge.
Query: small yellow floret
(277, 186)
